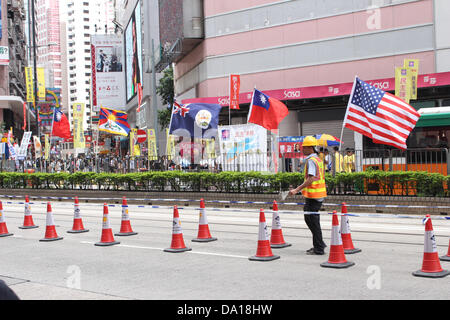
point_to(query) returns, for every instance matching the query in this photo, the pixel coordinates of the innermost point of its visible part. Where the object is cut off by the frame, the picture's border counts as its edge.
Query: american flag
(379, 115)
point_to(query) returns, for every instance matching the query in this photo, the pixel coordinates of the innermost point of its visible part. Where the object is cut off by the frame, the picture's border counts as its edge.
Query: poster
(78, 125)
(290, 147)
(4, 56)
(243, 148)
(133, 53)
(23, 150)
(108, 77)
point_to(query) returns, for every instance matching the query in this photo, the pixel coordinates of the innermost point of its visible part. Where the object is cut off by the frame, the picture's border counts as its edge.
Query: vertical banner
(132, 143)
(41, 84)
(170, 146)
(403, 84)
(151, 140)
(235, 87)
(413, 65)
(29, 84)
(24, 116)
(108, 76)
(24, 145)
(47, 147)
(78, 121)
(37, 148)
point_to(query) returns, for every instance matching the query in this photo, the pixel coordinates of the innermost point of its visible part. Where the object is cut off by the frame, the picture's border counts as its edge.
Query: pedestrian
(314, 190)
(338, 161)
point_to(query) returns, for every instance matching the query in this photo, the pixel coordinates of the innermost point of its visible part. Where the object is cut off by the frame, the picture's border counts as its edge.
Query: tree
(167, 93)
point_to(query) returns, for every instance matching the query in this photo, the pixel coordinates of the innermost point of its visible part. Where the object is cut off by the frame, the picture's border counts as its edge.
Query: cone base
(280, 245)
(204, 239)
(28, 227)
(51, 239)
(177, 250)
(106, 244)
(352, 251)
(337, 265)
(271, 258)
(441, 274)
(6, 235)
(78, 231)
(445, 258)
(125, 234)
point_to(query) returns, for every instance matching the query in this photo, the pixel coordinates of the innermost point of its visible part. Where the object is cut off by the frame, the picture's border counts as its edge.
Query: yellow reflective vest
(318, 188)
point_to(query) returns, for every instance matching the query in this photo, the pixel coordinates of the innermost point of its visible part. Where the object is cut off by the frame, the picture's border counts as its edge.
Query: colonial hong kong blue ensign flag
(379, 115)
(266, 111)
(196, 118)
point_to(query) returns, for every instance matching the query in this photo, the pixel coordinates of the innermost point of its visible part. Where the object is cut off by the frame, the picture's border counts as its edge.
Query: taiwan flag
(61, 125)
(266, 111)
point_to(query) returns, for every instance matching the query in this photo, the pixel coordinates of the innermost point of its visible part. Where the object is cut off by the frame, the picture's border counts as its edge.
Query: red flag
(24, 116)
(61, 125)
(140, 94)
(266, 111)
(235, 87)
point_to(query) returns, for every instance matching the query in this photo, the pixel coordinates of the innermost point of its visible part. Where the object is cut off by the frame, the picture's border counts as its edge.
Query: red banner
(235, 87)
(24, 116)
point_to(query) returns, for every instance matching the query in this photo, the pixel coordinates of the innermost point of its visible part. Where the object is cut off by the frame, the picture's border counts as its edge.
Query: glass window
(433, 137)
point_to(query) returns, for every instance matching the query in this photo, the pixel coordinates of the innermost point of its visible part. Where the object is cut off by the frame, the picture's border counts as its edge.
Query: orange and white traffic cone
(77, 220)
(28, 219)
(347, 241)
(431, 267)
(177, 244)
(50, 231)
(276, 236)
(204, 235)
(447, 257)
(336, 258)
(107, 238)
(3, 228)
(263, 252)
(125, 227)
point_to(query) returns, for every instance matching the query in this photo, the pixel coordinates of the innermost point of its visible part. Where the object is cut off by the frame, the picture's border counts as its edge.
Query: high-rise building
(83, 19)
(12, 75)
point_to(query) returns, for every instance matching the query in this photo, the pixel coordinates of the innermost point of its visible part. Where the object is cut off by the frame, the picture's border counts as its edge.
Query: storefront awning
(434, 120)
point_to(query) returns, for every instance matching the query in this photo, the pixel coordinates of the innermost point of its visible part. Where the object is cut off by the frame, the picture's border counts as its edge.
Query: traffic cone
(77, 220)
(50, 231)
(125, 228)
(447, 257)
(276, 236)
(107, 238)
(431, 267)
(203, 228)
(263, 252)
(337, 256)
(177, 244)
(3, 228)
(346, 234)
(28, 219)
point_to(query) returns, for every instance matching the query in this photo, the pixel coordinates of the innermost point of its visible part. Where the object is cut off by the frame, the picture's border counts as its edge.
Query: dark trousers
(313, 223)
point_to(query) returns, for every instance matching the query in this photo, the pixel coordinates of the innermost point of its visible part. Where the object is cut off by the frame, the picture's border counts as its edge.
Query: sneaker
(315, 253)
(310, 250)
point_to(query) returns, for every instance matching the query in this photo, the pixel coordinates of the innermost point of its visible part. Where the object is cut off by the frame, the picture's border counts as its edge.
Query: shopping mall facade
(307, 54)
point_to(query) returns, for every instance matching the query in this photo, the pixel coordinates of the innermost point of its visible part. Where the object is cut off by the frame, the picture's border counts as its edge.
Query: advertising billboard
(108, 81)
(133, 53)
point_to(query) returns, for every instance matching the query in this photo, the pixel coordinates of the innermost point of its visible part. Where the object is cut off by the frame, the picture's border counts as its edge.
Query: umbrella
(327, 140)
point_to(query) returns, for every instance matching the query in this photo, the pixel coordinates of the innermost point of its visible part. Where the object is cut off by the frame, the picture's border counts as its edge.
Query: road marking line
(161, 249)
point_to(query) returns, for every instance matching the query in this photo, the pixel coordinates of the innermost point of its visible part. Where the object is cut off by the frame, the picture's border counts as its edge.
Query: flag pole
(346, 114)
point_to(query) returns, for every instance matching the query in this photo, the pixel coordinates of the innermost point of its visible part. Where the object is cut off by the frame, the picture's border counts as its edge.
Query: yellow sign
(78, 123)
(151, 140)
(29, 84)
(413, 65)
(403, 84)
(41, 84)
(47, 147)
(132, 143)
(170, 145)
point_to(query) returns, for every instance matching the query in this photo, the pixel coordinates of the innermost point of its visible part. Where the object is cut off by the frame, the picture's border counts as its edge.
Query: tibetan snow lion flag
(113, 121)
(195, 118)
(266, 111)
(379, 115)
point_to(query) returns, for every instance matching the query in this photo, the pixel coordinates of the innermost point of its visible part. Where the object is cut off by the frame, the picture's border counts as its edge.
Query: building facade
(307, 54)
(12, 75)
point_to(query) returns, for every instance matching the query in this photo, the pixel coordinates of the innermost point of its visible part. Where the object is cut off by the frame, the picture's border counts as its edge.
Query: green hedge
(387, 183)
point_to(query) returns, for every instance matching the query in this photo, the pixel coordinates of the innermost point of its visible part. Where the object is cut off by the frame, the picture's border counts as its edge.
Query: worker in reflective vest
(314, 190)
